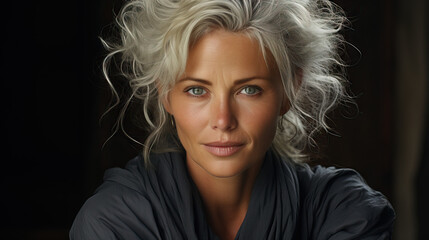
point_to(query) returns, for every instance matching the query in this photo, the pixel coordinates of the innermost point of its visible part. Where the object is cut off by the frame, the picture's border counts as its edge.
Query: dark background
(53, 96)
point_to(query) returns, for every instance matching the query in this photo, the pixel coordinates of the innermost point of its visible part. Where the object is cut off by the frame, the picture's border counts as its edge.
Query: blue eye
(196, 91)
(250, 90)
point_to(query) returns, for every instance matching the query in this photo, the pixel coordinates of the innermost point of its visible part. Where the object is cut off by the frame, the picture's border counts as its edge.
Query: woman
(232, 92)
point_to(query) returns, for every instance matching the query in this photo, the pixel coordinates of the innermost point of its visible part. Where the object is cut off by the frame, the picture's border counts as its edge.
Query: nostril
(224, 122)
(223, 115)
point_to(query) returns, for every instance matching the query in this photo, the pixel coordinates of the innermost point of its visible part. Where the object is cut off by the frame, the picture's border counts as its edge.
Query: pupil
(197, 91)
(250, 90)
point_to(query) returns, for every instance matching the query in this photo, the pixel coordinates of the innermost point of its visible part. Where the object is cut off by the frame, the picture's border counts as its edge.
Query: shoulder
(119, 207)
(338, 204)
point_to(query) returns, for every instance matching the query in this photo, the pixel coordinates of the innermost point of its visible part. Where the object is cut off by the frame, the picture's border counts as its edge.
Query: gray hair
(302, 35)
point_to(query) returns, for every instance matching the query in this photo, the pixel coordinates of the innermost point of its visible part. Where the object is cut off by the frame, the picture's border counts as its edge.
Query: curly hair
(303, 36)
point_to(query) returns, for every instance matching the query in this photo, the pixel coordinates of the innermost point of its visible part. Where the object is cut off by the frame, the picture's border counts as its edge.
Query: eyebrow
(236, 82)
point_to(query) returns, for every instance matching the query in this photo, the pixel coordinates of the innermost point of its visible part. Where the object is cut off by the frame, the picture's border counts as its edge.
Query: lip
(223, 149)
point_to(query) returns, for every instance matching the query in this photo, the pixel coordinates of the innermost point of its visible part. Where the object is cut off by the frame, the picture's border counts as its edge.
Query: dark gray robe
(288, 201)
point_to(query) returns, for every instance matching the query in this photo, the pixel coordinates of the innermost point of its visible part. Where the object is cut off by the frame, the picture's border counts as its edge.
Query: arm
(345, 207)
(115, 212)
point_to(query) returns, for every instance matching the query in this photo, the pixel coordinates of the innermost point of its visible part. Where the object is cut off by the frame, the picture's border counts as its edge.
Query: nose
(223, 115)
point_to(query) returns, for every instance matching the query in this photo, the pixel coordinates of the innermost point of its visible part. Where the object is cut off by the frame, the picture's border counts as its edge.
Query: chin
(225, 168)
(225, 171)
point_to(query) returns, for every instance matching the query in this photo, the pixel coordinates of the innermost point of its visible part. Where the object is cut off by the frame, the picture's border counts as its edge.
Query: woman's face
(226, 105)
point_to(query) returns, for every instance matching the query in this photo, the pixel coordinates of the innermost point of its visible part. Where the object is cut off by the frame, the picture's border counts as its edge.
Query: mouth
(223, 149)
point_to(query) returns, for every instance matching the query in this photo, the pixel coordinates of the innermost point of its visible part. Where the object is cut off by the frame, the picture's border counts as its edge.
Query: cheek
(190, 119)
(260, 120)
(263, 126)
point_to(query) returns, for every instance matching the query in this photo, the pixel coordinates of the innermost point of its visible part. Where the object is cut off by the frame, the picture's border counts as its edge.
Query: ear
(164, 99)
(285, 105)
(166, 105)
(286, 102)
(298, 78)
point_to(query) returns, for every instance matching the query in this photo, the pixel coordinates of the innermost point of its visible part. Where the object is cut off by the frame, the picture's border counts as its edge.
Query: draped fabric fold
(288, 201)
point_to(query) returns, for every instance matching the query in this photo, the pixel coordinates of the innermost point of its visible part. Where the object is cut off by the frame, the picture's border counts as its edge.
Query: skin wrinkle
(221, 64)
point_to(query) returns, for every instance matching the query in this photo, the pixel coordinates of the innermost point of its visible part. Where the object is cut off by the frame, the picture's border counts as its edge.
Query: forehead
(231, 54)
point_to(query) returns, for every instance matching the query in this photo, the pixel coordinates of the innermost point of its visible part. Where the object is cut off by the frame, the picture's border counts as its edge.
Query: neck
(226, 199)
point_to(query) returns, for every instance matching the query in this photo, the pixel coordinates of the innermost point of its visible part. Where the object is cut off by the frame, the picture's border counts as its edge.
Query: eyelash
(258, 91)
(187, 90)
